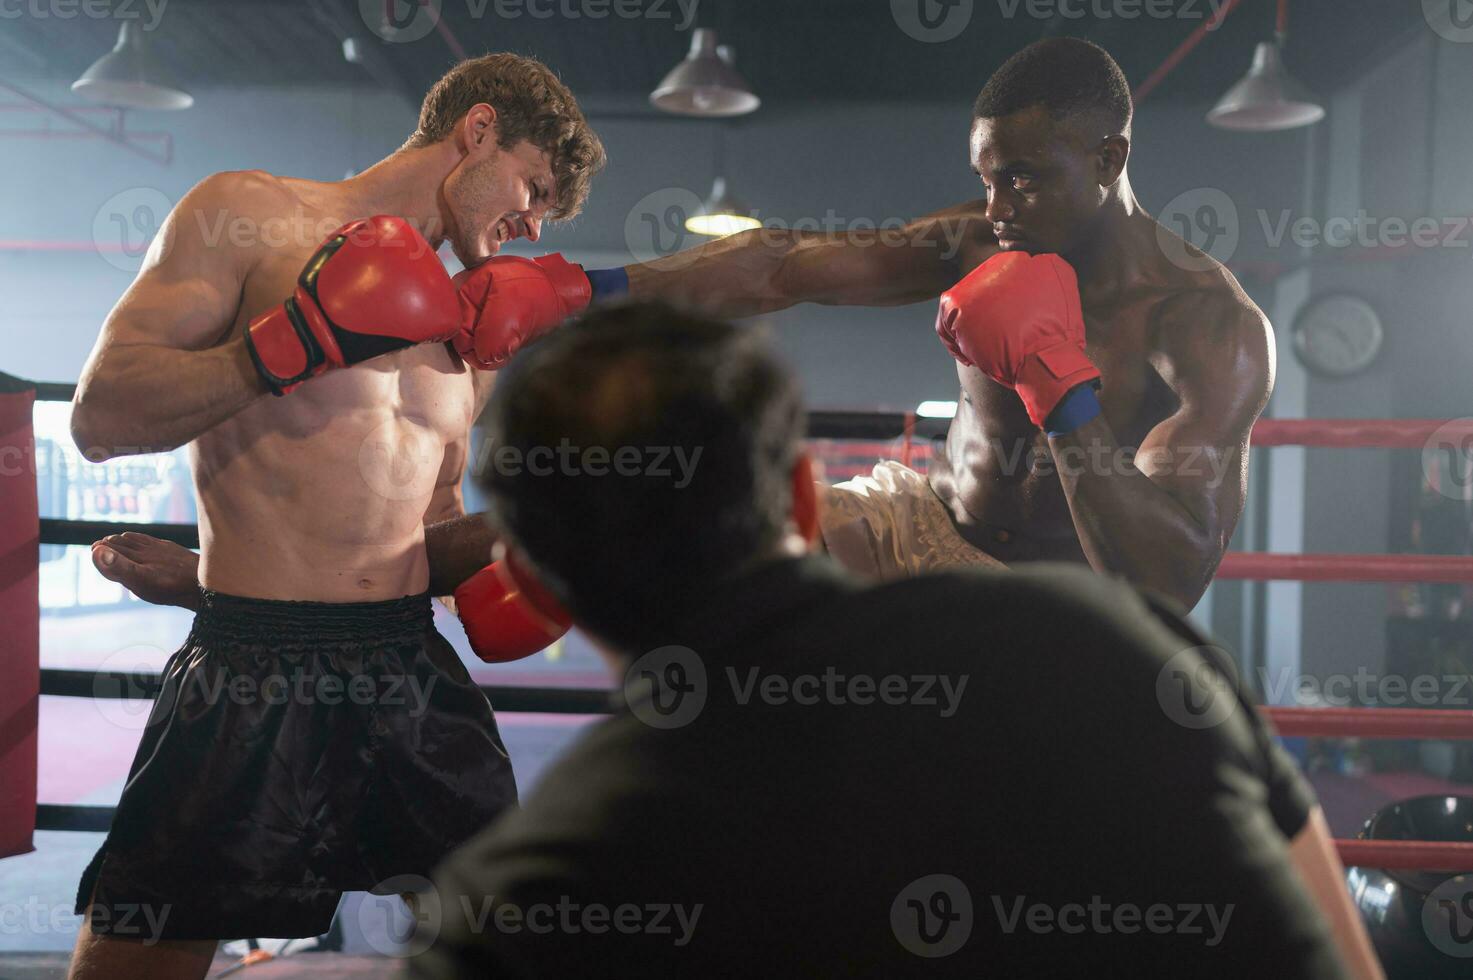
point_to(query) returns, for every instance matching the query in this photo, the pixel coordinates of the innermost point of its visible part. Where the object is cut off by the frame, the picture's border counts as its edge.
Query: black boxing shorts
(297, 750)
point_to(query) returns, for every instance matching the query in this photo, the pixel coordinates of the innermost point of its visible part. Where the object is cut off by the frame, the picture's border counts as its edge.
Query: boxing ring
(904, 436)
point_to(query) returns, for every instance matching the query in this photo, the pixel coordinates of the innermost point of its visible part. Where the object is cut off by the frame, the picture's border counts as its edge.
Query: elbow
(1188, 595)
(1182, 577)
(1192, 564)
(1196, 575)
(1183, 590)
(87, 430)
(101, 435)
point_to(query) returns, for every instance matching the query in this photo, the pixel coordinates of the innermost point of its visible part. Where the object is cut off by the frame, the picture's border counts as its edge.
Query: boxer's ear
(805, 499)
(479, 128)
(1114, 151)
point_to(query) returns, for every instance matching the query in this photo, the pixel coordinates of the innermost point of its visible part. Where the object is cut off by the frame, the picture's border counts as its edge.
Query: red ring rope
(1362, 433)
(1261, 566)
(1410, 855)
(1372, 722)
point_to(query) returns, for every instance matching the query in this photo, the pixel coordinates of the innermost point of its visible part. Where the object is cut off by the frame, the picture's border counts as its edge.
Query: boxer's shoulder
(1207, 308)
(220, 219)
(242, 191)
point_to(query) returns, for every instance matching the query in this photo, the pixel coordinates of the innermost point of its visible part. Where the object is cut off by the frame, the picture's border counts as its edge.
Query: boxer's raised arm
(1186, 489)
(161, 371)
(769, 269)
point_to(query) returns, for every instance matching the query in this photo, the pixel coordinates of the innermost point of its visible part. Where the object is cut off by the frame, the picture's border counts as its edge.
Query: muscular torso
(321, 494)
(995, 471)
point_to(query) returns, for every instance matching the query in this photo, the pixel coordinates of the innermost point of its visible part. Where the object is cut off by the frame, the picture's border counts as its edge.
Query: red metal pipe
(1185, 48)
(451, 41)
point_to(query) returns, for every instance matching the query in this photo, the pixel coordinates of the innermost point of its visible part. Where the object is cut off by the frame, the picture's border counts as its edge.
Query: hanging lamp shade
(706, 83)
(1267, 99)
(131, 77)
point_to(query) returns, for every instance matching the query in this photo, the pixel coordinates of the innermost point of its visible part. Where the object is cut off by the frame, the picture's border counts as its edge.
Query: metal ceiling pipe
(116, 136)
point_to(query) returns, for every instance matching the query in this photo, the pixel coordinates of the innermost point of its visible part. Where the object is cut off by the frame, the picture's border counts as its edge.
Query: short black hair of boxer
(627, 551)
(1064, 75)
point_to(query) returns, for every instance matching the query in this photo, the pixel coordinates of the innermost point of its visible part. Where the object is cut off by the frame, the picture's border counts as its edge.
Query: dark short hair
(1064, 75)
(628, 550)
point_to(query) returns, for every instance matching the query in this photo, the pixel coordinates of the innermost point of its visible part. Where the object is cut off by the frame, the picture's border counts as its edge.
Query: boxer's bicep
(162, 372)
(1218, 360)
(187, 292)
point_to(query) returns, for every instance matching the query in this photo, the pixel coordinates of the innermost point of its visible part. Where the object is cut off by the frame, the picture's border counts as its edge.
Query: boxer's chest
(1133, 396)
(428, 384)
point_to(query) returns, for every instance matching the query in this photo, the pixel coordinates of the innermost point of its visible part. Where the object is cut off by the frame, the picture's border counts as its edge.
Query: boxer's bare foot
(154, 570)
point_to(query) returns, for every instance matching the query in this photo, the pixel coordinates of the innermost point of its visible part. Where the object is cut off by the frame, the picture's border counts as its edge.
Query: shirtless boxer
(1186, 358)
(1148, 478)
(1152, 487)
(250, 817)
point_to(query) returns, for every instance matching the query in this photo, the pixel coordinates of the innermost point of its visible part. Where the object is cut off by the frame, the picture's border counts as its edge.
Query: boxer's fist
(373, 287)
(1017, 319)
(507, 302)
(507, 615)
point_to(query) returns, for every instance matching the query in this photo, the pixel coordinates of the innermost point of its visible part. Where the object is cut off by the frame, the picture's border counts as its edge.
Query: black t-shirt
(1016, 773)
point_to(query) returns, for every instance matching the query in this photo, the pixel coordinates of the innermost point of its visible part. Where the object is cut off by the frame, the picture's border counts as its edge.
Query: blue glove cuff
(1077, 408)
(607, 283)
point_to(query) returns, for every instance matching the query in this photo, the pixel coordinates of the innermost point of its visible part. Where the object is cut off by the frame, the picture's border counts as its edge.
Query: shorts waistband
(282, 622)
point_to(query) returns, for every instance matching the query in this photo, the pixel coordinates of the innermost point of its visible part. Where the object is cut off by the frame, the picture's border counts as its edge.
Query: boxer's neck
(406, 183)
(1109, 253)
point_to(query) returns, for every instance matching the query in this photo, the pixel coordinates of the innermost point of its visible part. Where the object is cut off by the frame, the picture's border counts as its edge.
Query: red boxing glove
(373, 287)
(507, 302)
(507, 615)
(1017, 318)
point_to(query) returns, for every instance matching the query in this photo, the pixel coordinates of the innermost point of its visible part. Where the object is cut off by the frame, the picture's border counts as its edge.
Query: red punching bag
(20, 641)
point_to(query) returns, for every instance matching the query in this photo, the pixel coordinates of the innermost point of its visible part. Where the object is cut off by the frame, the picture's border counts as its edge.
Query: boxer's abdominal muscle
(321, 495)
